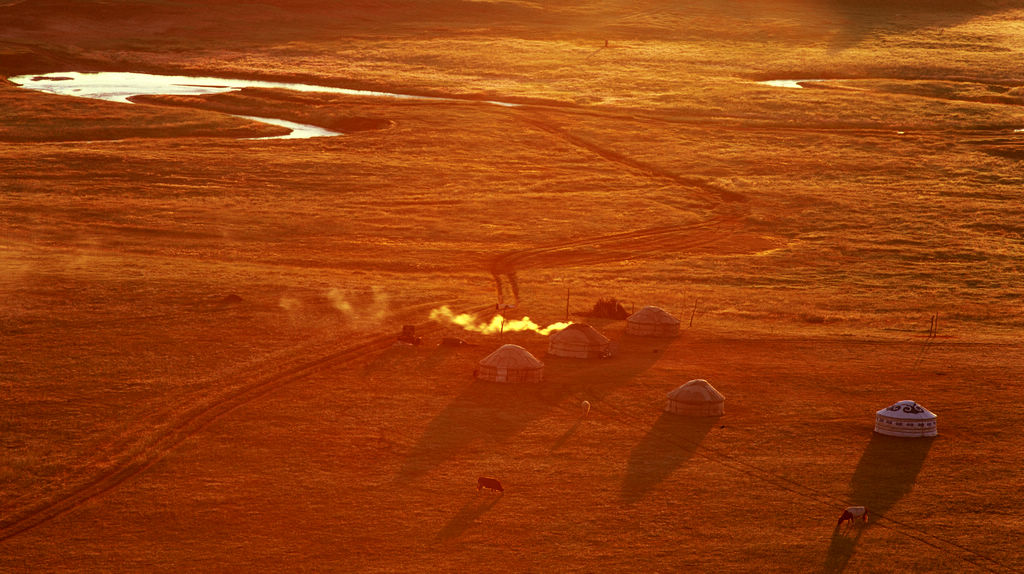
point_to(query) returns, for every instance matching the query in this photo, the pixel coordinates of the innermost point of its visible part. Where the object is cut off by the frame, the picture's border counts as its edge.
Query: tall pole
(567, 304)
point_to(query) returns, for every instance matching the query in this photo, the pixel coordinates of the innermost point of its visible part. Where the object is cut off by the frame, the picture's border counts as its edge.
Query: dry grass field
(197, 370)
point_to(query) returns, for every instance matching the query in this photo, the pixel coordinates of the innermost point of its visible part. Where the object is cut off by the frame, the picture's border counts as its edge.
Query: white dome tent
(906, 418)
(580, 341)
(696, 398)
(510, 364)
(652, 322)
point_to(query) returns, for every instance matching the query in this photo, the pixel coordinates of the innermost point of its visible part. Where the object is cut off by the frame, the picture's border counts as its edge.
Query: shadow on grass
(840, 550)
(566, 436)
(885, 474)
(862, 19)
(469, 512)
(489, 414)
(671, 442)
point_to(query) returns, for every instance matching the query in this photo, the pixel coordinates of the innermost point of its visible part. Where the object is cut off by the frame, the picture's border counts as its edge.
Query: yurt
(510, 364)
(906, 418)
(580, 341)
(652, 322)
(696, 398)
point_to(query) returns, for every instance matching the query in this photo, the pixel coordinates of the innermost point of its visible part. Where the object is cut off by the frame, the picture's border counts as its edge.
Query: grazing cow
(487, 482)
(586, 408)
(852, 513)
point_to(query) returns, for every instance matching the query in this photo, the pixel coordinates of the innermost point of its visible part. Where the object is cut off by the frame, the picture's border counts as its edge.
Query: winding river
(120, 86)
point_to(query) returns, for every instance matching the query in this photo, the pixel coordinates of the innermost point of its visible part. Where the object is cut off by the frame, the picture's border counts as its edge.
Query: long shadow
(866, 18)
(671, 442)
(566, 436)
(489, 414)
(840, 550)
(469, 512)
(885, 474)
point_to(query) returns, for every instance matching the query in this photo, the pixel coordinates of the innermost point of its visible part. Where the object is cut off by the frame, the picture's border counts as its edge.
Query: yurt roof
(511, 357)
(697, 391)
(907, 410)
(653, 315)
(581, 333)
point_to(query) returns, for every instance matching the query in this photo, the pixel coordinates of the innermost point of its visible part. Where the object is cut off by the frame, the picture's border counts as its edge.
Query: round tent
(652, 322)
(510, 364)
(906, 418)
(581, 341)
(696, 398)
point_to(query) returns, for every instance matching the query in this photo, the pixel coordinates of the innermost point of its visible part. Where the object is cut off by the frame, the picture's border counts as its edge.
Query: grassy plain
(196, 372)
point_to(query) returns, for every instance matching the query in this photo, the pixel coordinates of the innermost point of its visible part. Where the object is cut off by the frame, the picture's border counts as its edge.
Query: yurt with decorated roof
(580, 341)
(696, 398)
(652, 322)
(510, 364)
(907, 419)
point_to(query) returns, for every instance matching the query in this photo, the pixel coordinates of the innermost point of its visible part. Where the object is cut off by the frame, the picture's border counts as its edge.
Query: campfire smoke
(497, 324)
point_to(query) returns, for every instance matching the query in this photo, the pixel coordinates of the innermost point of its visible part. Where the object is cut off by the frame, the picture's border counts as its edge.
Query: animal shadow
(840, 550)
(560, 442)
(469, 512)
(885, 474)
(671, 442)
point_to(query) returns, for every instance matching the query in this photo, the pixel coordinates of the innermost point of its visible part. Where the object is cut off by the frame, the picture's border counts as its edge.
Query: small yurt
(696, 398)
(510, 364)
(580, 341)
(652, 322)
(906, 418)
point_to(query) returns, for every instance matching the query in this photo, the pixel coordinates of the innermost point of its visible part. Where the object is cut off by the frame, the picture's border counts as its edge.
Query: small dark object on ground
(488, 482)
(409, 335)
(231, 299)
(608, 309)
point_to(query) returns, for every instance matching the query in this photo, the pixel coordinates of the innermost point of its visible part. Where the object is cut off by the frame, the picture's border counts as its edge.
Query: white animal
(852, 513)
(586, 408)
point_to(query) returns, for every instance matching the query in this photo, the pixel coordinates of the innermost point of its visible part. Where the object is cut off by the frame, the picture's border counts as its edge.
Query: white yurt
(652, 322)
(906, 418)
(696, 398)
(510, 364)
(581, 341)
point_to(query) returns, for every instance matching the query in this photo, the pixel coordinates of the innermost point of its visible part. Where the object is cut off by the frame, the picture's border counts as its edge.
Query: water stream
(120, 86)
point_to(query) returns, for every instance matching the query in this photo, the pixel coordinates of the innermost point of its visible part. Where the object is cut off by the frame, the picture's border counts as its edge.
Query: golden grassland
(196, 371)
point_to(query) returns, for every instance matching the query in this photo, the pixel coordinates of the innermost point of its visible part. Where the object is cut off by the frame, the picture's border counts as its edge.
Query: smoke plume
(497, 323)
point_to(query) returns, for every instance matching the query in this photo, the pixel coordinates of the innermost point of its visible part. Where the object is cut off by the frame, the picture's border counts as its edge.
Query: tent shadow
(485, 413)
(671, 442)
(887, 471)
(885, 474)
(491, 413)
(469, 512)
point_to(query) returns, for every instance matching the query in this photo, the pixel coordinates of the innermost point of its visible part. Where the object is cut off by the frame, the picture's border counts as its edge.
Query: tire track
(712, 194)
(727, 205)
(186, 424)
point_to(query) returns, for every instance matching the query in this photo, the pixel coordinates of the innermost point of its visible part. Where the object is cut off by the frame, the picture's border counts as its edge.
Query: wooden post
(692, 313)
(566, 303)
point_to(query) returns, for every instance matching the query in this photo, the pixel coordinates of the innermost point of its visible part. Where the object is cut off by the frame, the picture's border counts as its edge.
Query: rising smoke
(497, 324)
